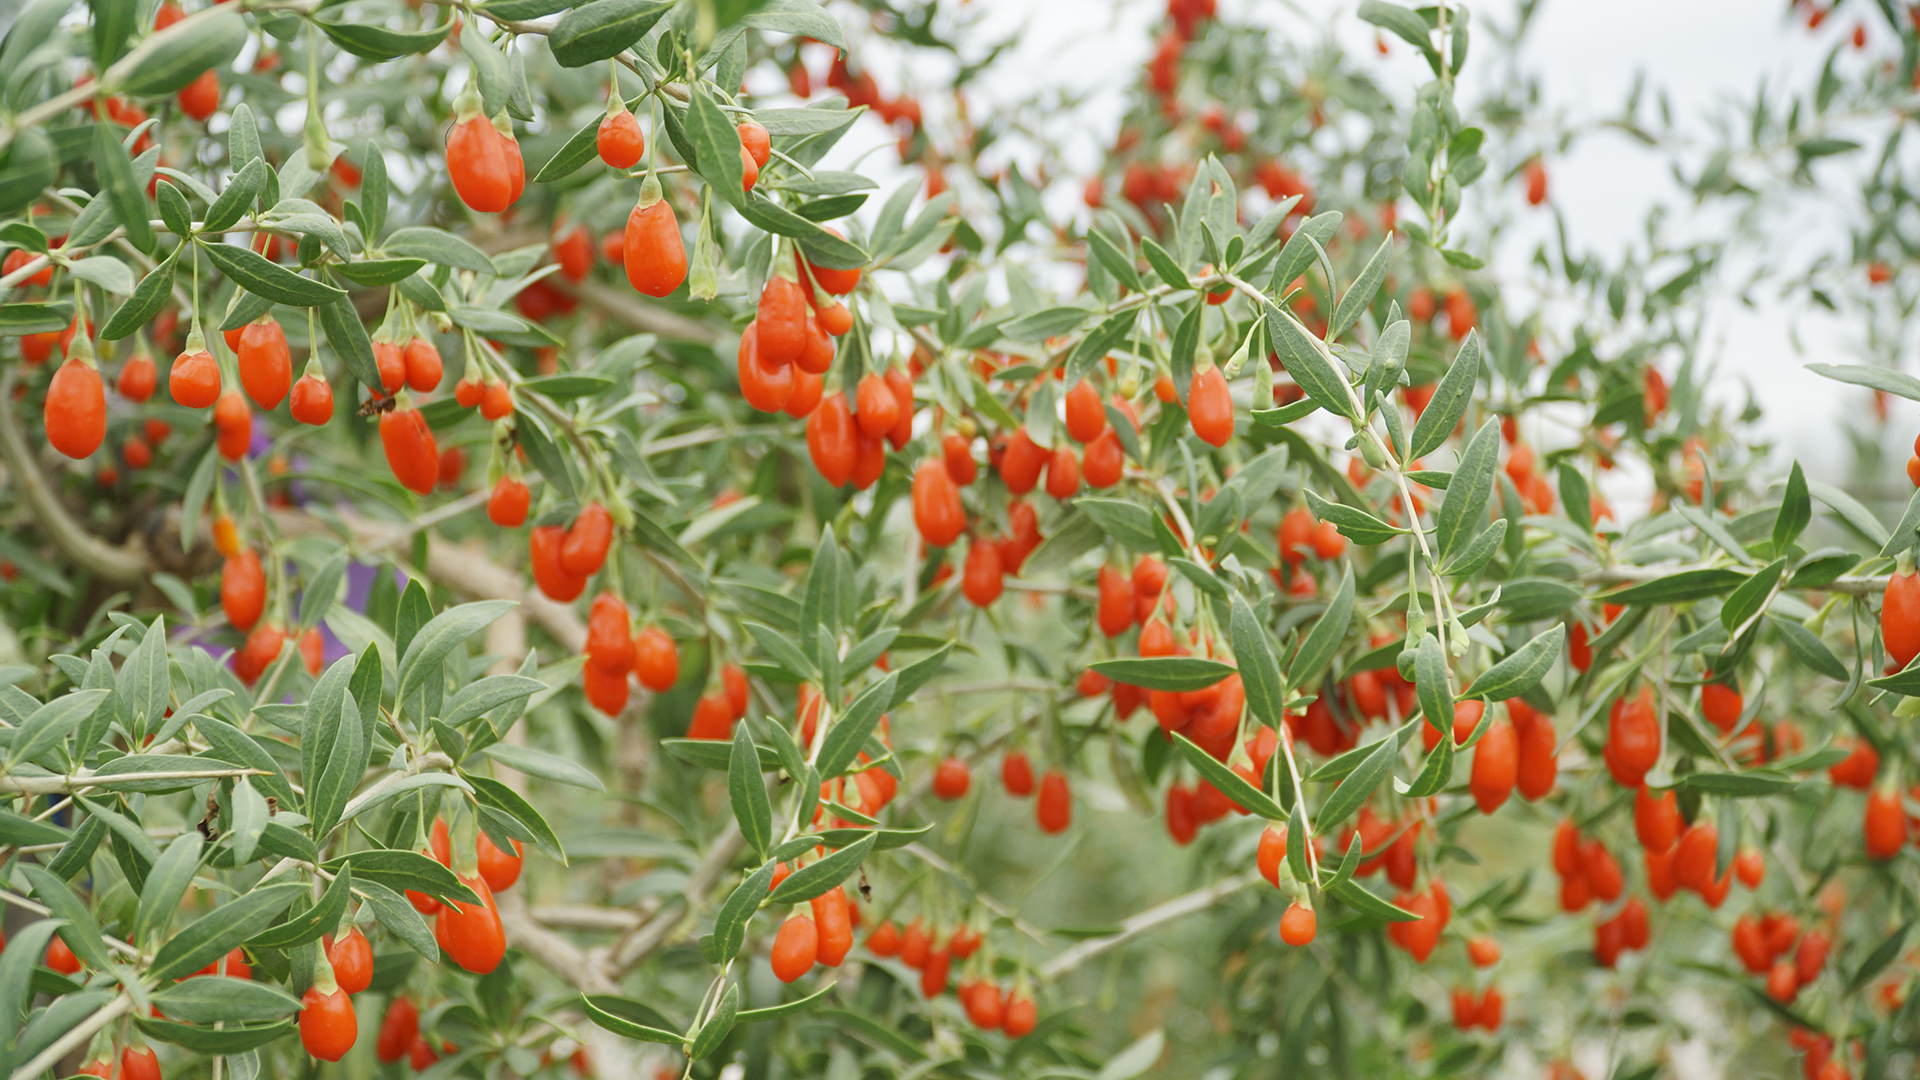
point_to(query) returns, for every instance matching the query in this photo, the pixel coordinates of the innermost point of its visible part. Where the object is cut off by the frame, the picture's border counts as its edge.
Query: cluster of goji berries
(243, 598)
(986, 1005)
(470, 934)
(615, 652)
(1053, 809)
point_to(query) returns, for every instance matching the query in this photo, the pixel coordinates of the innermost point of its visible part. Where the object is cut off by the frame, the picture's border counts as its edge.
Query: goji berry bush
(608, 588)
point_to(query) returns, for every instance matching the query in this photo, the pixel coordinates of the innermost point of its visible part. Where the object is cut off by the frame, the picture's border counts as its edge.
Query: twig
(86, 778)
(1197, 900)
(75, 1036)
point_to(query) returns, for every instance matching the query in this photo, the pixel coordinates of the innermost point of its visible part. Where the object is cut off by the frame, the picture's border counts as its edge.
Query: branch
(628, 308)
(657, 930)
(123, 565)
(87, 778)
(435, 761)
(75, 1037)
(1851, 584)
(1197, 900)
(556, 953)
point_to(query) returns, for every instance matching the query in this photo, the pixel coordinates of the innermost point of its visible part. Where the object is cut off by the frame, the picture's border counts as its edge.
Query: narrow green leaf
(747, 790)
(1521, 670)
(1463, 513)
(1450, 399)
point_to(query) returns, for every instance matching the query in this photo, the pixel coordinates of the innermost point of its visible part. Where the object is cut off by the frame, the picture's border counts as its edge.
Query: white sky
(1705, 53)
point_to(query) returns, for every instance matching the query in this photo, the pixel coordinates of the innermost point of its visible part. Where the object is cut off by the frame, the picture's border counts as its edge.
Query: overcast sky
(1705, 53)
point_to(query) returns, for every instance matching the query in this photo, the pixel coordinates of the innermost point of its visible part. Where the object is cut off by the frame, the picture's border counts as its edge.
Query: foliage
(1283, 465)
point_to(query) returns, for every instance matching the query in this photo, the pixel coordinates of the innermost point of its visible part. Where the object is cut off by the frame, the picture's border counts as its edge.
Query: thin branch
(1851, 584)
(87, 778)
(1179, 906)
(75, 1037)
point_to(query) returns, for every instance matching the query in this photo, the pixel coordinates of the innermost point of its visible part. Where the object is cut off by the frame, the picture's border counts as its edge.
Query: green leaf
(377, 272)
(1308, 362)
(1807, 648)
(1521, 670)
(230, 1039)
(730, 922)
(918, 674)
(147, 299)
(126, 193)
(1450, 399)
(1363, 290)
(403, 870)
(718, 1025)
(596, 31)
(1430, 683)
(1463, 512)
(1323, 641)
(82, 932)
(1099, 342)
(1128, 523)
(544, 765)
(1072, 538)
(208, 999)
(1177, 673)
(581, 147)
(34, 318)
(216, 933)
(1738, 785)
(1356, 525)
(1479, 553)
(1365, 902)
(185, 57)
(747, 790)
(448, 631)
(50, 724)
(1893, 382)
(1901, 542)
(398, 916)
(1437, 772)
(592, 1004)
(144, 685)
(1358, 786)
(476, 699)
(310, 924)
(1259, 667)
(1229, 783)
(716, 141)
(1850, 511)
(1678, 588)
(801, 17)
(848, 734)
(1796, 510)
(781, 649)
(252, 272)
(1882, 955)
(439, 247)
(1303, 247)
(1164, 264)
(166, 883)
(788, 1008)
(371, 41)
(1046, 323)
(17, 968)
(821, 877)
(1746, 601)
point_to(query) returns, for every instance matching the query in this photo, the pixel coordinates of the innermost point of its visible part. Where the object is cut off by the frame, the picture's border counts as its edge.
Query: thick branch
(550, 949)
